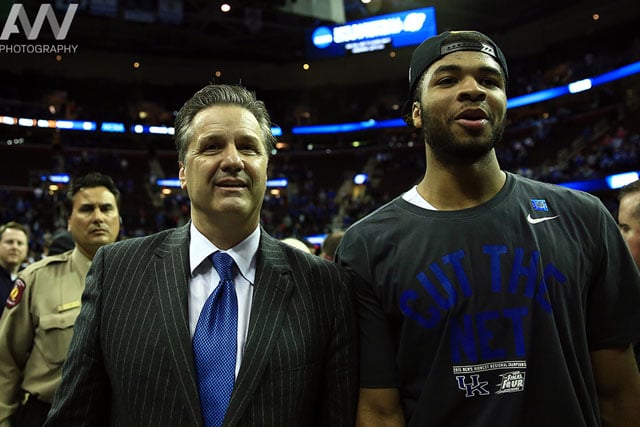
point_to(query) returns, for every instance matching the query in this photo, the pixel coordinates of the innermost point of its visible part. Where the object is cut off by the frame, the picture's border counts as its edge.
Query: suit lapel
(170, 271)
(272, 292)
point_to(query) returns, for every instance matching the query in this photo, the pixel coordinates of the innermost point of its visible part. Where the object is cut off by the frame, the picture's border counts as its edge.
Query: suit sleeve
(340, 395)
(83, 397)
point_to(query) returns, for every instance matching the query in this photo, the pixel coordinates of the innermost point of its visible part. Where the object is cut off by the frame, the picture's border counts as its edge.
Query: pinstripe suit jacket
(131, 364)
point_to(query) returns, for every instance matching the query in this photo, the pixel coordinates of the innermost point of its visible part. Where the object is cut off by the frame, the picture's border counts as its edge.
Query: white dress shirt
(204, 279)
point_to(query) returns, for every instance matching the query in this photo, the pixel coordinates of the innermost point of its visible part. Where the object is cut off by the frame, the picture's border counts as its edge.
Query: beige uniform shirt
(36, 328)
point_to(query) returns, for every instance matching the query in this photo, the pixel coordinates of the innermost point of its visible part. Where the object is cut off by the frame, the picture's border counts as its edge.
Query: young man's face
(462, 106)
(13, 248)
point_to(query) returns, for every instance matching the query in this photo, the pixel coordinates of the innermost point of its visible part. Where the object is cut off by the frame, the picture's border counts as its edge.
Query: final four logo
(511, 382)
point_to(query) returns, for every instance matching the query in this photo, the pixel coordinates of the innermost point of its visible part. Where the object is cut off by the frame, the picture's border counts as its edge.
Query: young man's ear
(416, 114)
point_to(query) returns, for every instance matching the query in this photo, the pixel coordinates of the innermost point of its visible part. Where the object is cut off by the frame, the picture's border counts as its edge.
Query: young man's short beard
(445, 147)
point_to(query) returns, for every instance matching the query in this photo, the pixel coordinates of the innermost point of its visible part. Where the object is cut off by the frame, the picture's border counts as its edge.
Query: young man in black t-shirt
(486, 298)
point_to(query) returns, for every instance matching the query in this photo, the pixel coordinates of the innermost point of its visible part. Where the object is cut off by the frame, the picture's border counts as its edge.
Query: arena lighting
(26, 122)
(61, 124)
(535, 97)
(76, 125)
(611, 182)
(347, 127)
(175, 183)
(59, 178)
(277, 183)
(580, 86)
(518, 101)
(169, 130)
(276, 131)
(172, 182)
(154, 130)
(515, 102)
(316, 239)
(620, 73)
(112, 127)
(574, 87)
(46, 123)
(621, 179)
(161, 130)
(589, 185)
(360, 178)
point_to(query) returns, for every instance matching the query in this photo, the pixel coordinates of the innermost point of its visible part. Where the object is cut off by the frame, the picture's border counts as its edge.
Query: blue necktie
(215, 344)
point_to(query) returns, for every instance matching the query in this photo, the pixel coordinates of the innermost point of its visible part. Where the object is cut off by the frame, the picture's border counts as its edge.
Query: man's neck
(225, 236)
(12, 270)
(455, 187)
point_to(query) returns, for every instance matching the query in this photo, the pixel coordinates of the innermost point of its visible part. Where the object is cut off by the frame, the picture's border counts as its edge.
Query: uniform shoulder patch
(15, 296)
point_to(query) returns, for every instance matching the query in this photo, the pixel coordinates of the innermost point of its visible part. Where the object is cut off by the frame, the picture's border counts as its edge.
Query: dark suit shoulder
(315, 269)
(161, 242)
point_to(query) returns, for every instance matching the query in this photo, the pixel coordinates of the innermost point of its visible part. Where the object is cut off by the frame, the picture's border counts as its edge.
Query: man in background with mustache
(37, 323)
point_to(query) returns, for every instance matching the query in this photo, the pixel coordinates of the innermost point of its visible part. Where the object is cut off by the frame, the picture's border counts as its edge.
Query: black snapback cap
(434, 48)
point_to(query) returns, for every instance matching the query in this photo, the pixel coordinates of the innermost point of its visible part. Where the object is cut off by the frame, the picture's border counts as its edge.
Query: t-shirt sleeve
(613, 304)
(376, 339)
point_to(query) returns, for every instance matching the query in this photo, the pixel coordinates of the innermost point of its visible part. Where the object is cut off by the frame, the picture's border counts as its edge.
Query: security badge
(68, 306)
(16, 293)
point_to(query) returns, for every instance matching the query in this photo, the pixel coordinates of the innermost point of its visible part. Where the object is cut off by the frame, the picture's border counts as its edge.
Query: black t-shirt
(487, 316)
(6, 284)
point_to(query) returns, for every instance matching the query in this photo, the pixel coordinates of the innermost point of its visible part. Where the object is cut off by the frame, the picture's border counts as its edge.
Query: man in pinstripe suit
(131, 361)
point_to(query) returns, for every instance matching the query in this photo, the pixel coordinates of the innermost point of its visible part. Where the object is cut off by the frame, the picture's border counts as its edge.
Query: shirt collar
(80, 261)
(244, 253)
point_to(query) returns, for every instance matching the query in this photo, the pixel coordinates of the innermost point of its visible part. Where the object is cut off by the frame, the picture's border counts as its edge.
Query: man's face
(463, 106)
(94, 220)
(629, 222)
(225, 167)
(13, 248)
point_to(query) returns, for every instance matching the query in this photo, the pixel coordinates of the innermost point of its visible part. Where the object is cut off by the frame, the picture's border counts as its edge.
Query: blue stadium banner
(390, 31)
